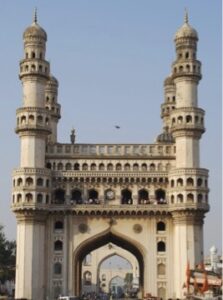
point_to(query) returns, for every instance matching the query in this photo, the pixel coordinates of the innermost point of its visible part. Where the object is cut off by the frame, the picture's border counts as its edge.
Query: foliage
(128, 278)
(7, 257)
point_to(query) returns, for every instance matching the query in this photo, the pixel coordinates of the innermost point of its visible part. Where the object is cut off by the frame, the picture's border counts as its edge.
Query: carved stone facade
(70, 199)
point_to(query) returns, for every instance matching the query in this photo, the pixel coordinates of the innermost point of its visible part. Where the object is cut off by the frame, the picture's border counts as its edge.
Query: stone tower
(188, 182)
(71, 199)
(32, 179)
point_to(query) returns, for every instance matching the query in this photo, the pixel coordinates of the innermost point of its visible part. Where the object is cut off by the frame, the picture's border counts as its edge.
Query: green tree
(128, 280)
(7, 257)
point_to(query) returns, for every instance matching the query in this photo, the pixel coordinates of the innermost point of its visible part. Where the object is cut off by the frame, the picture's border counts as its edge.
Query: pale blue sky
(111, 58)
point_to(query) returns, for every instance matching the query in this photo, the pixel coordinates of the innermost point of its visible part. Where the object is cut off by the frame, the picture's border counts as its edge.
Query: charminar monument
(71, 199)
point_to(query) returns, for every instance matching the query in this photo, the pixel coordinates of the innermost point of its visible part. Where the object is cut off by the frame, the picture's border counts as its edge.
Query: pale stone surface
(70, 199)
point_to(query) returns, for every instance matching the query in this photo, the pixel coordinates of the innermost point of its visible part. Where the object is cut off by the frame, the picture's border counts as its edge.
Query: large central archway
(98, 241)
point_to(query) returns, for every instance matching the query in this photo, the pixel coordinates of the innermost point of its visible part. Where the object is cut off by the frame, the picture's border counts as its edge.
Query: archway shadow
(99, 240)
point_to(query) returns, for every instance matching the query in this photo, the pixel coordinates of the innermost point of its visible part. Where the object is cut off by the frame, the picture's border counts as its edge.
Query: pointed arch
(99, 240)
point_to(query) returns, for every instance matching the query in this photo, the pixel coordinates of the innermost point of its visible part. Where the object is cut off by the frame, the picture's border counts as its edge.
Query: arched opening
(160, 196)
(93, 197)
(190, 197)
(59, 196)
(180, 182)
(135, 167)
(101, 167)
(19, 181)
(199, 182)
(93, 167)
(118, 167)
(127, 167)
(76, 167)
(58, 245)
(87, 278)
(161, 246)
(29, 181)
(143, 196)
(144, 167)
(29, 197)
(60, 167)
(126, 196)
(199, 198)
(160, 226)
(39, 198)
(84, 167)
(58, 225)
(116, 261)
(190, 181)
(110, 167)
(116, 287)
(76, 196)
(39, 181)
(180, 198)
(68, 166)
(98, 241)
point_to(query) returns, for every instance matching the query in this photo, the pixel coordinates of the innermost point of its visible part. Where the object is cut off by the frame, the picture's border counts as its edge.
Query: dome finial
(186, 16)
(35, 16)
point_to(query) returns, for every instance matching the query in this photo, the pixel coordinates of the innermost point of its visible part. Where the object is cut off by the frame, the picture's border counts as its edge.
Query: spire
(186, 16)
(35, 16)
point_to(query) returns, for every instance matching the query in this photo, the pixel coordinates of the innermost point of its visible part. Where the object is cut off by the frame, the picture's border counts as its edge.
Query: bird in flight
(117, 127)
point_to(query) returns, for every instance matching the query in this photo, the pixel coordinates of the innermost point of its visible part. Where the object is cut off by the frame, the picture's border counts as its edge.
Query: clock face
(110, 195)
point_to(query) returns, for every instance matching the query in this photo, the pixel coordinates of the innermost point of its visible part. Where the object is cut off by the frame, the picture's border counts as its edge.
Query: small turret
(34, 63)
(51, 93)
(186, 69)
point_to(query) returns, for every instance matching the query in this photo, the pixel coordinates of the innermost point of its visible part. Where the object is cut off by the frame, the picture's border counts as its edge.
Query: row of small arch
(168, 109)
(109, 167)
(188, 119)
(115, 180)
(179, 198)
(189, 197)
(29, 181)
(187, 68)
(33, 54)
(126, 195)
(53, 108)
(186, 55)
(34, 68)
(180, 182)
(17, 198)
(30, 119)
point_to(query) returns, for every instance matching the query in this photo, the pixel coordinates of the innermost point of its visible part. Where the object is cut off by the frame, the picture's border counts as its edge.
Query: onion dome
(34, 30)
(52, 81)
(168, 81)
(213, 249)
(186, 31)
(165, 137)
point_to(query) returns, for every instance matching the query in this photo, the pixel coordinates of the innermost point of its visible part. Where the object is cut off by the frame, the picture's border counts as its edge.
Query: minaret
(188, 182)
(166, 108)
(31, 181)
(51, 93)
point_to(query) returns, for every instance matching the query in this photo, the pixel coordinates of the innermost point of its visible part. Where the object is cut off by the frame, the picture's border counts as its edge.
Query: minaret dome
(186, 31)
(34, 30)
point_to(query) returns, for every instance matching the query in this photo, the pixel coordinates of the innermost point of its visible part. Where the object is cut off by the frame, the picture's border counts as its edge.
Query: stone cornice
(188, 217)
(188, 171)
(32, 171)
(124, 209)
